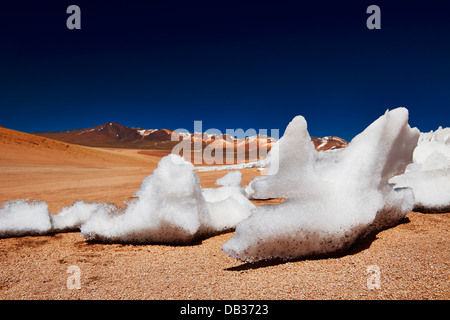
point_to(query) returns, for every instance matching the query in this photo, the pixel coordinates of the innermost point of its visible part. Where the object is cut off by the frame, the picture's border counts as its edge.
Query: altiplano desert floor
(413, 257)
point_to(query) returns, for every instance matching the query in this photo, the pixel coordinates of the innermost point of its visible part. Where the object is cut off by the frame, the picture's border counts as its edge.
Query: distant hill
(328, 143)
(24, 149)
(118, 136)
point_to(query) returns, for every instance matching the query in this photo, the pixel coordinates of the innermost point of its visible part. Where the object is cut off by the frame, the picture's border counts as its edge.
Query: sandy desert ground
(413, 257)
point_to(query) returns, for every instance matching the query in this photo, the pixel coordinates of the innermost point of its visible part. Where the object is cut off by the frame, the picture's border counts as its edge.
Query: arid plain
(412, 257)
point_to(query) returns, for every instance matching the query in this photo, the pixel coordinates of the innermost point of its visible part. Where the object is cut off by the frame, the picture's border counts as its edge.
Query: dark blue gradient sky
(231, 64)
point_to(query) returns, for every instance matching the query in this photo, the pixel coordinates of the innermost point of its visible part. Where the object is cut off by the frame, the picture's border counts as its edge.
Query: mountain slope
(24, 149)
(115, 135)
(328, 143)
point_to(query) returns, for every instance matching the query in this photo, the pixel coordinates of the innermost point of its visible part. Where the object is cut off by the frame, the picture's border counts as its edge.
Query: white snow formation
(170, 207)
(333, 198)
(254, 164)
(22, 217)
(72, 217)
(227, 205)
(429, 174)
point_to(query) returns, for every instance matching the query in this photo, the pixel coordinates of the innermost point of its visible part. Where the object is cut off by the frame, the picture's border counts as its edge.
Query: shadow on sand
(360, 245)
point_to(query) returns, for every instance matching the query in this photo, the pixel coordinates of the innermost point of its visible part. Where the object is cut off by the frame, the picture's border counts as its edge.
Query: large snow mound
(170, 207)
(22, 218)
(429, 174)
(333, 198)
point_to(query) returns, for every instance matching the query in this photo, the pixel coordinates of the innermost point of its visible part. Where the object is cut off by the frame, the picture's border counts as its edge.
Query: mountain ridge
(113, 134)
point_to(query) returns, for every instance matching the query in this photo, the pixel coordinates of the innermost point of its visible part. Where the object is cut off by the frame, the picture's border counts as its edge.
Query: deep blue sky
(231, 64)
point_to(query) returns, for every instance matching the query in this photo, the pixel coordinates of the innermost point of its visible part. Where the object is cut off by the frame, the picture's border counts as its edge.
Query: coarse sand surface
(412, 257)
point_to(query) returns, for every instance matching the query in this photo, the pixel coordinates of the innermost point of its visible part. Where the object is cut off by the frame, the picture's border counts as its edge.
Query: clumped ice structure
(27, 218)
(429, 174)
(170, 207)
(227, 205)
(333, 198)
(22, 218)
(72, 217)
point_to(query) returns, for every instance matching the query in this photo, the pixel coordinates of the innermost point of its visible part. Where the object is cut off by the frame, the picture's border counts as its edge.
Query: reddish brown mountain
(115, 135)
(102, 135)
(328, 143)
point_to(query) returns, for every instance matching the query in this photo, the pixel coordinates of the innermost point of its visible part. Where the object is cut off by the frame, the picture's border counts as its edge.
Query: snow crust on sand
(254, 164)
(170, 207)
(429, 174)
(333, 198)
(227, 205)
(72, 217)
(22, 217)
